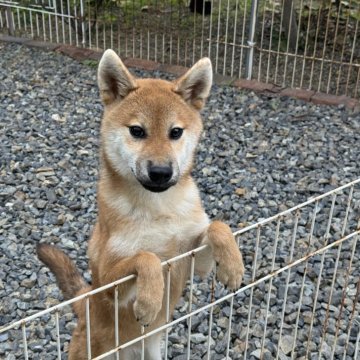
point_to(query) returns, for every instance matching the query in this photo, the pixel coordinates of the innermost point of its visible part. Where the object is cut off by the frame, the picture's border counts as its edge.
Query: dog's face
(151, 127)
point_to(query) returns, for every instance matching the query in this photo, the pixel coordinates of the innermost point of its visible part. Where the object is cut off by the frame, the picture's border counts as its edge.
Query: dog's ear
(195, 85)
(114, 79)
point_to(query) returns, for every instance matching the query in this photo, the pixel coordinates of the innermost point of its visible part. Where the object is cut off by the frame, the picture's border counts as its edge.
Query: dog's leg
(224, 251)
(132, 352)
(149, 282)
(153, 350)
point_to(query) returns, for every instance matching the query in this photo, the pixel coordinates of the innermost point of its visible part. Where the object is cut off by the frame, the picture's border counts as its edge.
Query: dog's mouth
(156, 188)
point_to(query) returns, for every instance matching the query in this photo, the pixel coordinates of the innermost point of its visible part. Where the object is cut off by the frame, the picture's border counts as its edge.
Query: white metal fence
(311, 44)
(300, 298)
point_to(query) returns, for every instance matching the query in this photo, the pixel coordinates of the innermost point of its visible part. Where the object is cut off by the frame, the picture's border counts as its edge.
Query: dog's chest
(165, 236)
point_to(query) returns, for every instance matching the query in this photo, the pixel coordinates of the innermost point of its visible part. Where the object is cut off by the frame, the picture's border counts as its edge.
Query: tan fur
(137, 228)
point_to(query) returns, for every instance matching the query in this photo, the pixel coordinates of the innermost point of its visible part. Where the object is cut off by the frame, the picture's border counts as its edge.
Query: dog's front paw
(150, 290)
(230, 271)
(146, 308)
(230, 267)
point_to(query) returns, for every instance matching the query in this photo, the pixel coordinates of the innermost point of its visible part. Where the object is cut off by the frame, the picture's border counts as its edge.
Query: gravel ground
(259, 155)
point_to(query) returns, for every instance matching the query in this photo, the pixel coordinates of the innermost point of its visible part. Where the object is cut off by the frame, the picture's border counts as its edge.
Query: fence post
(82, 22)
(251, 43)
(10, 22)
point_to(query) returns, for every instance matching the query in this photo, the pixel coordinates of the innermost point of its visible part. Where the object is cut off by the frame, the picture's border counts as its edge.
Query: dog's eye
(176, 133)
(137, 132)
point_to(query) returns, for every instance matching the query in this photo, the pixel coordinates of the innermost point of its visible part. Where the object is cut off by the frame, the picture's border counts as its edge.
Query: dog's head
(151, 127)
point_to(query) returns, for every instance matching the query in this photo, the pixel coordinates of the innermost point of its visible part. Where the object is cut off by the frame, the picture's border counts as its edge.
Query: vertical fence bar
(324, 47)
(148, 39)
(1, 19)
(26, 354)
(58, 344)
(37, 24)
(351, 60)
(234, 38)
(304, 278)
(50, 24)
(270, 42)
(83, 42)
(13, 20)
(70, 19)
(356, 301)
(111, 36)
(31, 25)
(251, 43)
(62, 22)
(210, 33)
(43, 26)
(163, 38)
(104, 31)
(168, 287)
(209, 335)
(56, 21)
(226, 35)
(277, 232)
(76, 24)
(327, 235)
(242, 40)
(133, 32)
(334, 46)
(279, 42)
(306, 44)
(212, 298)
(88, 334)
(202, 31)
(24, 18)
(9, 21)
(141, 30)
(116, 315)
(357, 84)
(297, 216)
(261, 42)
(342, 50)
(142, 344)
(18, 18)
(229, 327)
(194, 33)
(89, 26)
(297, 44)
(288, 41)
(96, 28)
(253, 275)
(171, 34)
(218, 39)
(315, 46)
(190, 304)
(357, 344)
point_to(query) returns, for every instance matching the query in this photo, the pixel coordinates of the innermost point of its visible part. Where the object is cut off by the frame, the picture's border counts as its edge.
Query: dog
(149, 210)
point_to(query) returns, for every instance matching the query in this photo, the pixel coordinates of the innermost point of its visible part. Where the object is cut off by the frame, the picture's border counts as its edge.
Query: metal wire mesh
(300, 297)
(309, 44)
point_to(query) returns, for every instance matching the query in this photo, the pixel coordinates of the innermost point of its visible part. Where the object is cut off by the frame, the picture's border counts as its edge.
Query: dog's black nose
(160, 175)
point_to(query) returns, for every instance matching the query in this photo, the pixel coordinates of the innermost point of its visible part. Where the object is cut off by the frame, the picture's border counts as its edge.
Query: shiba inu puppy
(149, 209)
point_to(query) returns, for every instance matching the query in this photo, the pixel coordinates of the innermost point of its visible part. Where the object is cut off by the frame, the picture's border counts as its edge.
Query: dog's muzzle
(159, 178)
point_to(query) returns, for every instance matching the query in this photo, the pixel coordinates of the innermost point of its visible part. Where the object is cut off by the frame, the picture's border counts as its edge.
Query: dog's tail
(68, 277)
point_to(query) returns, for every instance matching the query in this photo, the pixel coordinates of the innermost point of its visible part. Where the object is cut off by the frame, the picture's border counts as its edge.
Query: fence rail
(300, 297)
(311, 44)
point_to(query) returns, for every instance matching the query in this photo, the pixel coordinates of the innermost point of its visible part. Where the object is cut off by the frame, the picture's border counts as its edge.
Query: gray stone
(198, 338)
(286, 344)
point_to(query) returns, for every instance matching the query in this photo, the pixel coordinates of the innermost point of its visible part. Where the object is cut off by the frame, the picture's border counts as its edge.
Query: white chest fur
(166, 237)
(165, 225)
